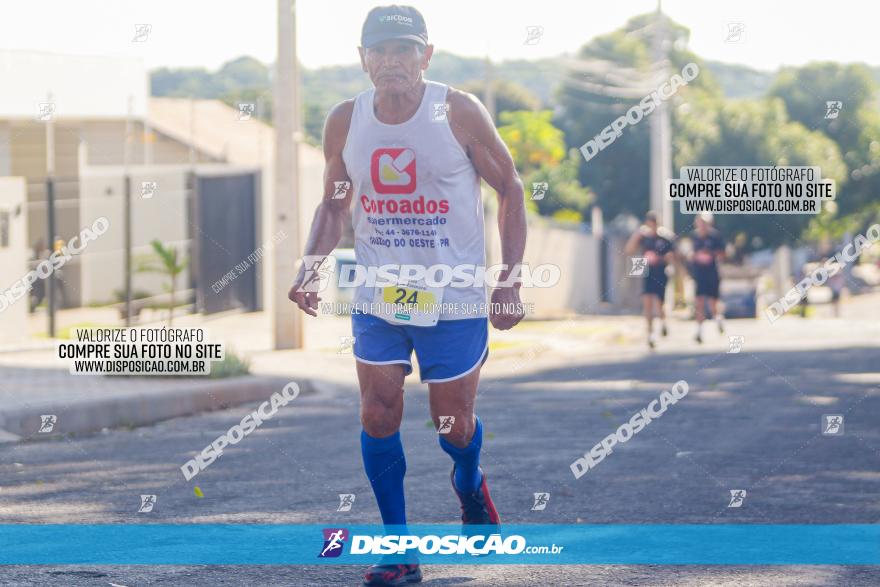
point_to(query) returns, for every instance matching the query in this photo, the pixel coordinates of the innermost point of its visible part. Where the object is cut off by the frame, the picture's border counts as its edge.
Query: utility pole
(490, 226)
(286, 318)
(147, 136)
(661, 137)
(661, 128)
(490, 89)
(50, 208)
(126, 208)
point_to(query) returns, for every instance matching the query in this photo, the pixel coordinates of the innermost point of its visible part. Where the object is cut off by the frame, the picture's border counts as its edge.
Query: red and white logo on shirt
(393, 170)
(703, 257)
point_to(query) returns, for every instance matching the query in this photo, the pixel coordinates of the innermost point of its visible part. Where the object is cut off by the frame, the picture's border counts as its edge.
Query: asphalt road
(750, 421)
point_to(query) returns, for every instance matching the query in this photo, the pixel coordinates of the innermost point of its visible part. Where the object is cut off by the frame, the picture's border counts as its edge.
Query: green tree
(566, 199)
(532, 139)
(538, 151)
(856, 127)
(244, 72)
(806, 91)
(759, 132)
(620, 174)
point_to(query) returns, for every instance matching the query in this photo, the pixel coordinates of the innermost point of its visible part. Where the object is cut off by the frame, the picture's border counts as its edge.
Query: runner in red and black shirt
(656, 246)
(707, 251)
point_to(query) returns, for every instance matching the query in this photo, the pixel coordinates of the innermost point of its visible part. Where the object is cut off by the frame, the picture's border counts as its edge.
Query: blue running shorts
(448, 350)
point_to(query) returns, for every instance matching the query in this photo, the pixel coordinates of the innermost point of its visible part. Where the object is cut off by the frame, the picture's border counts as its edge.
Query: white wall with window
(14, 254)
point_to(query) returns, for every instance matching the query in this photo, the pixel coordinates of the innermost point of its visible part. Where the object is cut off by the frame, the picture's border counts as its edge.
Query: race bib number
(414, 304)
(704, 257)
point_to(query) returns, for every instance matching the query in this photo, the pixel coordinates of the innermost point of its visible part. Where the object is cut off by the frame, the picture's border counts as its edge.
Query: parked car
(739, 298)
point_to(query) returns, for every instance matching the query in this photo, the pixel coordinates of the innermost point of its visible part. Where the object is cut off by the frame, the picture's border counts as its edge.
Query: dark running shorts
(707, 282)
(656, 285)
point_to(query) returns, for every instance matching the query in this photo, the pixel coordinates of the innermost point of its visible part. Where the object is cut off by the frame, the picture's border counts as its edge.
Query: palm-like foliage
(166, 261)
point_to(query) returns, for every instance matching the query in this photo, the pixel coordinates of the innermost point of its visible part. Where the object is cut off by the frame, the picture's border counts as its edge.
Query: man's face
(652, 226)
(394, 66)
(702, 227)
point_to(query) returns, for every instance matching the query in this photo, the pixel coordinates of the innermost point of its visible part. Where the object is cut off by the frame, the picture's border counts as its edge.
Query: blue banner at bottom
(285, 544)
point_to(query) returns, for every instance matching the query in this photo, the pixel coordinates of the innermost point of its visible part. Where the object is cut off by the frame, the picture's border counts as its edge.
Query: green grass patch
(231, 366)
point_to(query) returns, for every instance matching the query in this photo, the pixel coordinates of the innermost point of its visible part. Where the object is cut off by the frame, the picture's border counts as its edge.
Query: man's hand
(306, 300)
(506, 310)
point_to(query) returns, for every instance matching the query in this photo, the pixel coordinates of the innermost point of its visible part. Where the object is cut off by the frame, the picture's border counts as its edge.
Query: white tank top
(416, 197)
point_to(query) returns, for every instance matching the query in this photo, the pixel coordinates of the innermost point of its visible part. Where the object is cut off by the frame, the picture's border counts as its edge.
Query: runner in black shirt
(657, 250)
(707, 251)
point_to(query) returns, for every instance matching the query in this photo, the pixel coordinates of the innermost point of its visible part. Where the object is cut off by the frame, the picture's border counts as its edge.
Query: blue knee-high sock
(385, 466)
(467, 460)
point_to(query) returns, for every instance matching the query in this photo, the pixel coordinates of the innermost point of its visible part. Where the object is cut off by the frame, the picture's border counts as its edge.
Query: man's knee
(461, 433)
(380, 417)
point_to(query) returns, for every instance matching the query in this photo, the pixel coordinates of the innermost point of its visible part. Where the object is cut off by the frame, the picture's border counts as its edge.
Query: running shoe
(392, 575)
(476, 507)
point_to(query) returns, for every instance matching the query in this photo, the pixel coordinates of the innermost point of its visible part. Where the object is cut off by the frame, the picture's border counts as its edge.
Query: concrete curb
(142, 408)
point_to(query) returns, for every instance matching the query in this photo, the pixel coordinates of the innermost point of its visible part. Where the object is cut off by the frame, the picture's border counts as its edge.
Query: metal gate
(224, 235)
